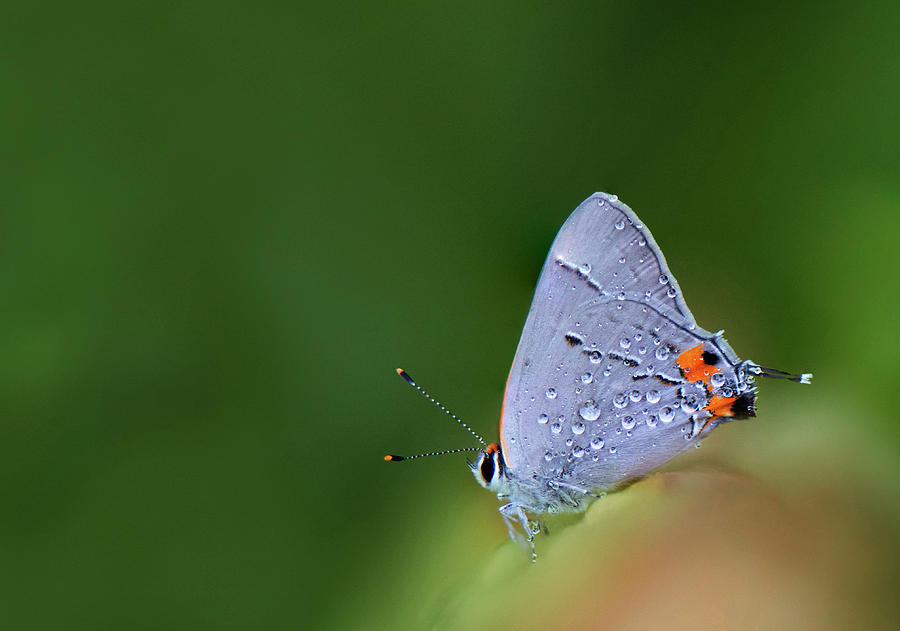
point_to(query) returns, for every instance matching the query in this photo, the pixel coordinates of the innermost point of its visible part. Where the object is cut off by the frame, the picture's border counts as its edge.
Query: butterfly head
(489, 468)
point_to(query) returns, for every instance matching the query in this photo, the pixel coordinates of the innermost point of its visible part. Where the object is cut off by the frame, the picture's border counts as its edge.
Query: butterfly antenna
(774, 373)
(395, 458)
(410, 381)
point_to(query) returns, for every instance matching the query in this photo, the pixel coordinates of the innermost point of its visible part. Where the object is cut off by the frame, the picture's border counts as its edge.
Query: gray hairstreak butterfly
(612, 376)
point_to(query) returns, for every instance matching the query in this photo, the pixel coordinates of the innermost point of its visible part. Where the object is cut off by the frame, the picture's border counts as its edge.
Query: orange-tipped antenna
(393, 458)
(410, 381)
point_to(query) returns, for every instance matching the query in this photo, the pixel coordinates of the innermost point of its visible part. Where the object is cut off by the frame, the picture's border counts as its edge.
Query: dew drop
(625, 342)
(663, 279)
(635, 396)
(595, 357)
(628, 423)
(612, 450)
(590, 411)
(551, 393)
(716, 379)
(542, 419)
(620, 295)
(620, 400)
(578, 452)
(670, 292)
(652, 421)
(597, 444)
(556, 427)
(587, 377)
(662, 353)
(653, 396)
(585, 268)
(578, 428)
(666, 414)
(548, 456)
(621, 259)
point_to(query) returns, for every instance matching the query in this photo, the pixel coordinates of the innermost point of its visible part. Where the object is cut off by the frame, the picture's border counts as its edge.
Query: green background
(223, 225)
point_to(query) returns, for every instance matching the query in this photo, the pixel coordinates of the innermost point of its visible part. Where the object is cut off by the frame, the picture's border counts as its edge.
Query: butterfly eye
(487, 468)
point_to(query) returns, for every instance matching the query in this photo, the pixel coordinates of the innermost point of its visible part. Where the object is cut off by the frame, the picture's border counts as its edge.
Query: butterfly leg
(528, 529)
(513, 512)
(510, 520)
(578, 489)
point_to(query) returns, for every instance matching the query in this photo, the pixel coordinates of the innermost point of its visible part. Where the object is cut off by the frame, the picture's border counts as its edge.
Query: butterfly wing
(596, 395)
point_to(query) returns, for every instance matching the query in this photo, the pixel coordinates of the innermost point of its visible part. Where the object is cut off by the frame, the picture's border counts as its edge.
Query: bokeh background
(223, 225)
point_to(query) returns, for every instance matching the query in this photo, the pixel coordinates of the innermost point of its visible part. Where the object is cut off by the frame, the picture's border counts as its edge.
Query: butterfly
(612, 376)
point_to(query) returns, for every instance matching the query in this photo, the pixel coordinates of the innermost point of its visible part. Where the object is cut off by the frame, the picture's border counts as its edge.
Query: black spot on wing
(710, 358)
(627, 361)
(573, 339)
(744, 406)
(667, 380)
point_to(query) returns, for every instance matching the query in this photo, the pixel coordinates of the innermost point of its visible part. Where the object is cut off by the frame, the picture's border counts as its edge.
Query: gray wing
(595, 395)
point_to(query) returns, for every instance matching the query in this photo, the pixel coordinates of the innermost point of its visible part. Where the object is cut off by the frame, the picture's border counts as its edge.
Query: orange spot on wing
(695, 369)
(492, 448)
(718, 407)
(721, 406)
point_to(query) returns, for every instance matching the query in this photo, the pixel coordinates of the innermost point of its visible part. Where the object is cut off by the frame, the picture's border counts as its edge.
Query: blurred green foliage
(223, 224)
